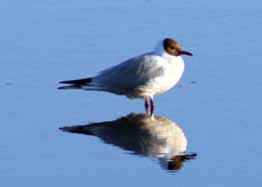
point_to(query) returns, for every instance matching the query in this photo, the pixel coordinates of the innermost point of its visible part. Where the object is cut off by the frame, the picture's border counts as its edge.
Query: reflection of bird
(142, 134)
(139, 77)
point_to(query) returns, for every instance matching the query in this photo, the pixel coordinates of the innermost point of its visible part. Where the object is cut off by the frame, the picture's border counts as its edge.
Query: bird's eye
(172, 47)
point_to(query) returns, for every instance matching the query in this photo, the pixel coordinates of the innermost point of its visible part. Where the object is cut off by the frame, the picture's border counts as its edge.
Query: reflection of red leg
(146, 105)
(152, 109)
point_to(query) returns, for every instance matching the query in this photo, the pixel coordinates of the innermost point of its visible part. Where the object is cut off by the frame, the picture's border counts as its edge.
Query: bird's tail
(85, 84)
(82, 87)
(69, 87)
(77, 129)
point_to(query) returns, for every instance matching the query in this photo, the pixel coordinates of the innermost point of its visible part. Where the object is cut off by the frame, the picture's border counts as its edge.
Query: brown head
(172, 47)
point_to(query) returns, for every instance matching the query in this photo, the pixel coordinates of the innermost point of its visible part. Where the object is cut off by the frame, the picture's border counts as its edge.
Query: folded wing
(130, 74)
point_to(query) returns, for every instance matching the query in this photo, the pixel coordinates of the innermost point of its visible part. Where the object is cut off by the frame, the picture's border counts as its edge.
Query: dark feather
(73, 86)
(77, 129)
(78, 81)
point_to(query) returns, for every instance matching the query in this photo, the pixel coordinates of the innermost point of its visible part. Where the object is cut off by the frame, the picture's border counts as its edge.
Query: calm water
(214, 113)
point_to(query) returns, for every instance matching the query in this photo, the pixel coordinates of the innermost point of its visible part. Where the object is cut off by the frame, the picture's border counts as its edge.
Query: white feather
(142, 76)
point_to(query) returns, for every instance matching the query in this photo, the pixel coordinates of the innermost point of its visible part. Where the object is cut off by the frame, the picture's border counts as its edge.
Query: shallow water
(217, 104)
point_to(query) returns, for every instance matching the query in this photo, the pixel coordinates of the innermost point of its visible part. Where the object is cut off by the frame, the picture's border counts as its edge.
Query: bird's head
(172, 48)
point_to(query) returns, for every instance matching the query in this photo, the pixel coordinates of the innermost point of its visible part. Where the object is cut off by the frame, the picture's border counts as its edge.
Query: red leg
(152, 109)
(147, 105)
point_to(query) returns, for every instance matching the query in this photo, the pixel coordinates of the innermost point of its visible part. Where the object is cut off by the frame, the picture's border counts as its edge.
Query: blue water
(217, 104)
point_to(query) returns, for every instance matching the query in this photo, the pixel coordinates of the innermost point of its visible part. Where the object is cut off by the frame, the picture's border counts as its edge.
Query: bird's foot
(147, 106)
(152, 106)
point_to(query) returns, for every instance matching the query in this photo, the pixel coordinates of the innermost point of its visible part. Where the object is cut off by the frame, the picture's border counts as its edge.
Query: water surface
(217, 104)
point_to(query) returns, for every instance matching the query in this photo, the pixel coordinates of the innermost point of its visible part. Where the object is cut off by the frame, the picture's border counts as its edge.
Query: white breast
(173, 70)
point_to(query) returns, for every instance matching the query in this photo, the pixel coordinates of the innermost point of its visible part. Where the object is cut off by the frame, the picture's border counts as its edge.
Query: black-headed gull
(143, 76)
(144, 135)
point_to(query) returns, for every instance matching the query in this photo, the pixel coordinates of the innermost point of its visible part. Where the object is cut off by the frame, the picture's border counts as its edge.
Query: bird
(143, 76)
(141, 134)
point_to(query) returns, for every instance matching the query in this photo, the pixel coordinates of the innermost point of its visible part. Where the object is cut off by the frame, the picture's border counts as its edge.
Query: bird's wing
(132, 73)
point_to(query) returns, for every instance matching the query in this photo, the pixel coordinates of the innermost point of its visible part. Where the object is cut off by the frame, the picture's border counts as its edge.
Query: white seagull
(142, 76)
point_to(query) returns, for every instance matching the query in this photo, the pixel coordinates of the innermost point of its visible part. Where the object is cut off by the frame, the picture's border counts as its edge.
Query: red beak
(186, 53)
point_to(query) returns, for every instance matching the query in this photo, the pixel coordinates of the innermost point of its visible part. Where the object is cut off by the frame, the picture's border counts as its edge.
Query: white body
(141, 77)
(153, 136)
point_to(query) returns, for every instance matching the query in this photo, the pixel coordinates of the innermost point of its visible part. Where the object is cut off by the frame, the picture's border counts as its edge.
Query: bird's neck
(171, 58)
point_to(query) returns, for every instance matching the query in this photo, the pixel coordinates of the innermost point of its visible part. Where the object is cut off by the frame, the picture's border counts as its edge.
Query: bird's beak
(186, 53)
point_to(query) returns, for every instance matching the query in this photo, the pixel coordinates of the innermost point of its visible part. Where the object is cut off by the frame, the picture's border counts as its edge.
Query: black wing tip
(77, 81)
(62, 82)
(76, 129)
(66, 82)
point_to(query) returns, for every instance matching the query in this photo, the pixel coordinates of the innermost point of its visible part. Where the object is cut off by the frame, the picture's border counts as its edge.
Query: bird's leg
(152, 108)
(147, 105)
